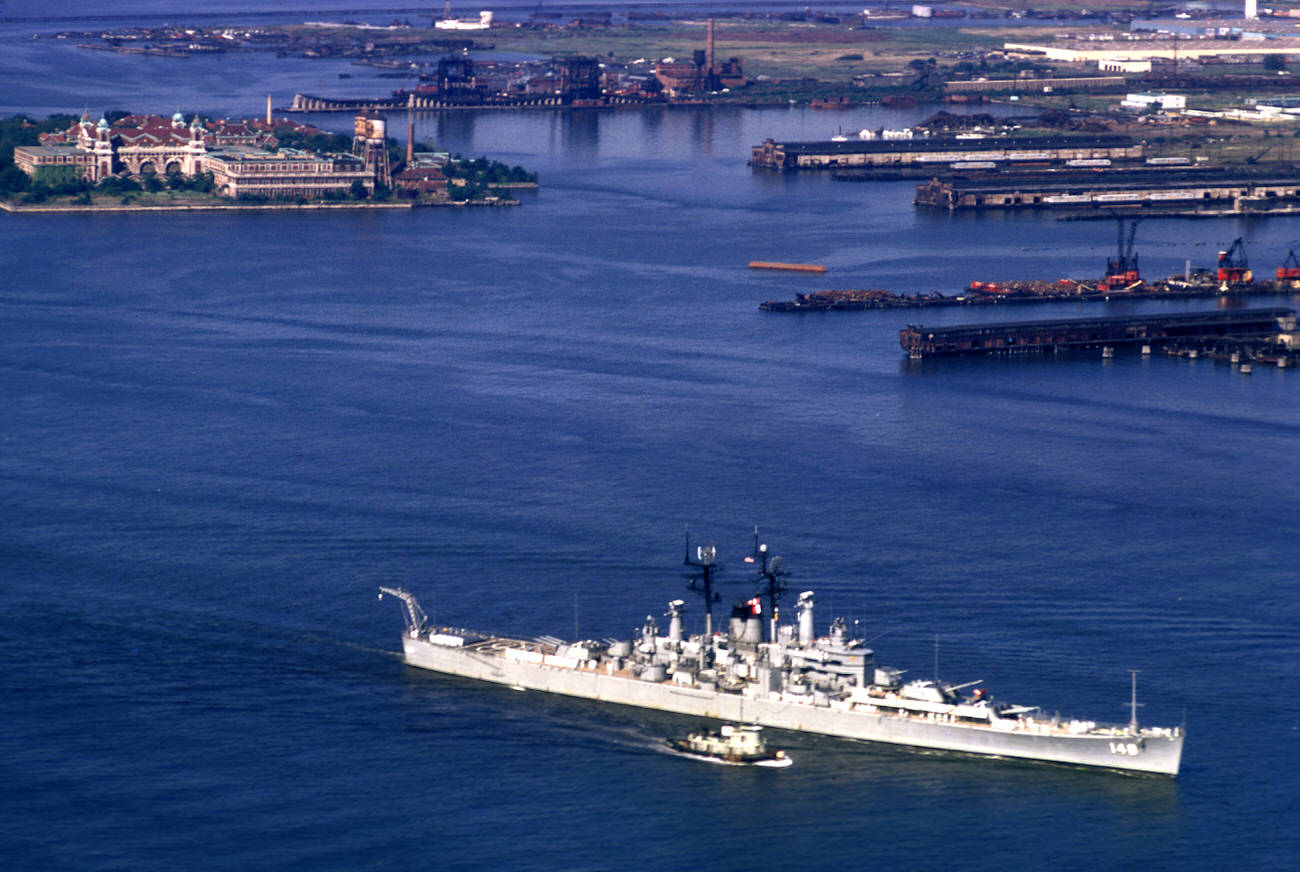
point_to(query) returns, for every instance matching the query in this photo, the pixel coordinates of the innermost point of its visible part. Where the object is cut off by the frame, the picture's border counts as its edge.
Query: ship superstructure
(784, 676)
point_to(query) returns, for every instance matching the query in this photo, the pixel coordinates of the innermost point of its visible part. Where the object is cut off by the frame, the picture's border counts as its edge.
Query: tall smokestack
(410, 142)
(708, 60)
(1251, 13)
(268, 110)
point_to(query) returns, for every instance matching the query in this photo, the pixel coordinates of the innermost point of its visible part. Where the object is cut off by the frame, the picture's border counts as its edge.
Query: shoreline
(235, 207)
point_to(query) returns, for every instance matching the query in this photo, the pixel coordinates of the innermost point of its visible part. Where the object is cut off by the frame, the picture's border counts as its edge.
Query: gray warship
(762, 672)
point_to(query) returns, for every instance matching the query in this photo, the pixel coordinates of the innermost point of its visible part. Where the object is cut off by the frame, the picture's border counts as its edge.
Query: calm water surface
(222, 432)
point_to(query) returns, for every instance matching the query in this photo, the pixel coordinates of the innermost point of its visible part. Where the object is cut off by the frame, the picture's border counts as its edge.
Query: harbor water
(222, 432)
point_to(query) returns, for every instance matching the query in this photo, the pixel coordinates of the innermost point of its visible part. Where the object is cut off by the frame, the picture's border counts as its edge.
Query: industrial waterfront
(224, 430)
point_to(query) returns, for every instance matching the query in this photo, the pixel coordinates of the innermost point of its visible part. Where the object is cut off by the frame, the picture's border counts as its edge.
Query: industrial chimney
(709, 57)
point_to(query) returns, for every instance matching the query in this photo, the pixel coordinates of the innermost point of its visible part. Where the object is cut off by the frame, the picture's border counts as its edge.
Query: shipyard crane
(1122, 272)
(1256, 158)
(1232, 263)
(1289, 271)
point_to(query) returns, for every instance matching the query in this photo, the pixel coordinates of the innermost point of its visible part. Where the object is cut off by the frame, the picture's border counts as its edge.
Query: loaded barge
(1018, 291)
(1028, 337)
(785, 676)
(1232, 276)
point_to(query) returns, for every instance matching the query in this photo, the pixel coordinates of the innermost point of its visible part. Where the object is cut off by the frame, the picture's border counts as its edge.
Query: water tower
(370, 143)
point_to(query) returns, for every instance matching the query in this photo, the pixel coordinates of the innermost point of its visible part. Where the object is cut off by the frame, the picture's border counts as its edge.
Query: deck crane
(1122, 272)
(1232, 263)
(415, 617)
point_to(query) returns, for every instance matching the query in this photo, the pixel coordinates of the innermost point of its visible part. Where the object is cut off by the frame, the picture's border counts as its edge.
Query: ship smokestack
(805, 609)
(736, 624)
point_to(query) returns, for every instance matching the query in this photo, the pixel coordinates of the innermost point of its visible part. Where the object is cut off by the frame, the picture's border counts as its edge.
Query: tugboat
(739, 745)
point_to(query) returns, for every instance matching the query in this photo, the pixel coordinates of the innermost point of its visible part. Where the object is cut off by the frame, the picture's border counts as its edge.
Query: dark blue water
(220, 434)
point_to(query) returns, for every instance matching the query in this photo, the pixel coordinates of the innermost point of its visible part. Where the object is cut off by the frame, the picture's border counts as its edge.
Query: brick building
(242, 156)
(284, 174)
(143, 144)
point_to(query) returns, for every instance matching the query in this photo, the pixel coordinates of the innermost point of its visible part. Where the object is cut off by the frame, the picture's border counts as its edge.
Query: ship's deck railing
(1043, 726)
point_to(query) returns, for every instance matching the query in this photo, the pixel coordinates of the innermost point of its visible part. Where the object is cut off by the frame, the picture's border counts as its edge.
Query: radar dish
(776, 566)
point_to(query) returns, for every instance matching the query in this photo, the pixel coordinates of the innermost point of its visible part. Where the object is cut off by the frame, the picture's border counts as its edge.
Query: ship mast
(771, 576)
(1134, 705)
(702, 582)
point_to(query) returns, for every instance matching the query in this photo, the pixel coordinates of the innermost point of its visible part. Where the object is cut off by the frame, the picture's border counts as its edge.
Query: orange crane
(1289, 271)
(1232, 263)
(1122, 272)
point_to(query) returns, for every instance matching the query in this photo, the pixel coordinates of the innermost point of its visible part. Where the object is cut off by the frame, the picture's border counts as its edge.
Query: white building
(1164, 101)
(1117, 66)
(483, 22)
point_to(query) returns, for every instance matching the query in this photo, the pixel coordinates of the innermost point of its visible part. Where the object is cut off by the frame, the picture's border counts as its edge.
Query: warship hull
(1155, 752)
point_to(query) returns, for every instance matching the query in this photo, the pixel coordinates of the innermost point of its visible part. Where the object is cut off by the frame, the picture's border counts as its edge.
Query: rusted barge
(1027, 337)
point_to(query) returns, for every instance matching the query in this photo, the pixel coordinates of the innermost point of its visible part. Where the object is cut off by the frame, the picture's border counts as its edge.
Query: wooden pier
(1027, 337)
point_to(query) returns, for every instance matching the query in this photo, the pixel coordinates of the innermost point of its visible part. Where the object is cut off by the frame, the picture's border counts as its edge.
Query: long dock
(942, 152)
(1182, 187)
(413, 101)
(1027, 337)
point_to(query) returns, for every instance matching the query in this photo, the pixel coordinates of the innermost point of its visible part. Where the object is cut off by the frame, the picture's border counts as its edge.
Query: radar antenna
(701, 582)
(771, 579)
(415, 616)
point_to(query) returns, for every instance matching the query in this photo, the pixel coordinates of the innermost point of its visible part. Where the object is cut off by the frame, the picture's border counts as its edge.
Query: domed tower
(102, 148)
(195, 149)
